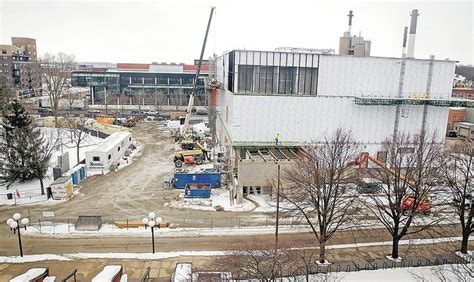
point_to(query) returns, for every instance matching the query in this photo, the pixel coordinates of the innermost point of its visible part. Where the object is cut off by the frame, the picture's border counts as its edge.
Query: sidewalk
(351, 259)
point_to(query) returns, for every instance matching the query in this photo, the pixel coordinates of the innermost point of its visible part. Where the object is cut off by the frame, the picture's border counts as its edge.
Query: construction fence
(58, 225)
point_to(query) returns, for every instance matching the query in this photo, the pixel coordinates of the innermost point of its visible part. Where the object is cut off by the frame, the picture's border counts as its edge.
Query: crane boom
(185, 130)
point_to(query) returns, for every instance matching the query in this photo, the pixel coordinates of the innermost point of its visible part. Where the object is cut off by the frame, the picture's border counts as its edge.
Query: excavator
(193, 152)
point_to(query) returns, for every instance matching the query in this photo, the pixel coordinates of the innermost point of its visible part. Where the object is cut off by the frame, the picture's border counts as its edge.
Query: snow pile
(134, 154)
(467, 257)
(145, 256)
(219, 197)
(32, 258)
(64, 230)
(183, 272)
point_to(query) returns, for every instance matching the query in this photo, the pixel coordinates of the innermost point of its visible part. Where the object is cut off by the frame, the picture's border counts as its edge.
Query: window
(4, 51)
(110, 156)
(286, 80)
(266, 80)
(118, 149)
(5, 59)
(96, 159)
(307, 81)
(130, 139)
(245, 79)
(406, 150)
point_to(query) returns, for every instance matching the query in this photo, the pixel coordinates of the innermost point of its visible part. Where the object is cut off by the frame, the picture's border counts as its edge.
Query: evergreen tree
(17, 127)
(5, 94)
(41, 148)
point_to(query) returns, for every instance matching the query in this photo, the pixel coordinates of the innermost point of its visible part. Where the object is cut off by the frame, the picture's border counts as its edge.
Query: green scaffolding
(411, 101)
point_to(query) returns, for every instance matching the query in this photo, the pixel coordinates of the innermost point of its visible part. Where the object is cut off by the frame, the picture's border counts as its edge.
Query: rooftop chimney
(411, 42)
(350, 21)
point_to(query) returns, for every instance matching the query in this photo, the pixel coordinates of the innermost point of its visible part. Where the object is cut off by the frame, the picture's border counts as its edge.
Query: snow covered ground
(446, 272)
(29, 192)
(219, 197)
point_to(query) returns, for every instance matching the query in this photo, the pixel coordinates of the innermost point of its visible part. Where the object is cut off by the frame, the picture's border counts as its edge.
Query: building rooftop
(464, 123)
(113, 140)
(351, 56)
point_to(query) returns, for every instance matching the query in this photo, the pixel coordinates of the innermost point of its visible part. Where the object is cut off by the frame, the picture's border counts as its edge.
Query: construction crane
(186, 132)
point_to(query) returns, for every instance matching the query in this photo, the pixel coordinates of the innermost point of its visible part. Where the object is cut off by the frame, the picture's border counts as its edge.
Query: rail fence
(384, 264)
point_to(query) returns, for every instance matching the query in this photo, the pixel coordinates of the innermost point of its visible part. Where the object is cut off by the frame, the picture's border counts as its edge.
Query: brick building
(19, 64)
(463, 93)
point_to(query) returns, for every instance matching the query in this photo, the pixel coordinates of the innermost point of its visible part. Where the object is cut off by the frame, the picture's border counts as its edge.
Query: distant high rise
(19, 65)
(353, 45)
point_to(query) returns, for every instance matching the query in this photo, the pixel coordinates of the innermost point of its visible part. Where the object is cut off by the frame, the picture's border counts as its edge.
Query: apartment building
(20, 67)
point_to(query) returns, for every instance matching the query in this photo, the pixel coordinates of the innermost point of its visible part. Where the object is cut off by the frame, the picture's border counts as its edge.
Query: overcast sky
(173, 30)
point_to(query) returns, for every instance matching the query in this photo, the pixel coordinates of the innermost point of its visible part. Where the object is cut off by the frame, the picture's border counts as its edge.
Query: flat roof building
(303, 97)
(144, 84)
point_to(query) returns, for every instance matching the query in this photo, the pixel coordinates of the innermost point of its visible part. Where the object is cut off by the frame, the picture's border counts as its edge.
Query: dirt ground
(133, 191)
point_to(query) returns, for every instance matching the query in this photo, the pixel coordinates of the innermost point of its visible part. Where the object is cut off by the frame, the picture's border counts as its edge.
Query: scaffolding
(376, 101)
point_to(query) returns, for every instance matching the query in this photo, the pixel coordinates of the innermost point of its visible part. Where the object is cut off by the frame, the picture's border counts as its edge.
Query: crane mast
(185, 131)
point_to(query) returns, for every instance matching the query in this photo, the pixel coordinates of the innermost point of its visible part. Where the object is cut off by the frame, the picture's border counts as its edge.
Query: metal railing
(71, 275)
(146, 275)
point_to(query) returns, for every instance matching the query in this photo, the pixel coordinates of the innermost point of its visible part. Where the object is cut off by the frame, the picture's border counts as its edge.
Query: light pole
(277, 208)
(151, 221)
(15, 224)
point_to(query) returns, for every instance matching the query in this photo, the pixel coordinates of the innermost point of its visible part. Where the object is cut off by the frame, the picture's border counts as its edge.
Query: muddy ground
(133, 191)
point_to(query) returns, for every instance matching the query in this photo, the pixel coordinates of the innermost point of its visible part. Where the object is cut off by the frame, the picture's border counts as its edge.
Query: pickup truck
(151, 113)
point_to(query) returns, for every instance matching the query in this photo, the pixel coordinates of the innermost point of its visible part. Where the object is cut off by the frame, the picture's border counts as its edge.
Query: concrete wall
(258, 172)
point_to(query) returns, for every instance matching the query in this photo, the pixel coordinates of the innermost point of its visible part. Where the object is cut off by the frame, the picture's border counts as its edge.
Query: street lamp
(15, 224)
(151, 221)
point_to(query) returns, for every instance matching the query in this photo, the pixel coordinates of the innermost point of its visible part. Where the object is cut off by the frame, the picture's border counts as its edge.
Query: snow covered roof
(108, 273)
(62, 179)
(113, 140)
(30, 275)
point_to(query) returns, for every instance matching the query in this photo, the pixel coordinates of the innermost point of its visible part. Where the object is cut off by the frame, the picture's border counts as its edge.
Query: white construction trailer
(108, 152)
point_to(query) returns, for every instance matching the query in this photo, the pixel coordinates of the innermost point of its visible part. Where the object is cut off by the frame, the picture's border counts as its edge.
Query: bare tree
(458, 172)
(257, 261)
(76, 133)
(76, 125)
(318, 187)
(407, 177)
(302, 261)
(56, 75)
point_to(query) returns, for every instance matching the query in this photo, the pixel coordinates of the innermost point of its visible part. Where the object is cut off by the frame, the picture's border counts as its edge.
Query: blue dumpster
(181, 179)
(197, 190)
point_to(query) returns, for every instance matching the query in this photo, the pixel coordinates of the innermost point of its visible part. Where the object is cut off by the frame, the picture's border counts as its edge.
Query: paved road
(39, 245)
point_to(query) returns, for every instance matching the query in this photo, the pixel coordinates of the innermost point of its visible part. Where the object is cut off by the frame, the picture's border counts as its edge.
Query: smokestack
(350, 21)
(404, 45)
(411, 42)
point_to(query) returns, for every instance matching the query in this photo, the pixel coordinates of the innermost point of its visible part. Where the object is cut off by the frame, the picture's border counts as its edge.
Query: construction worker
(277, 138)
